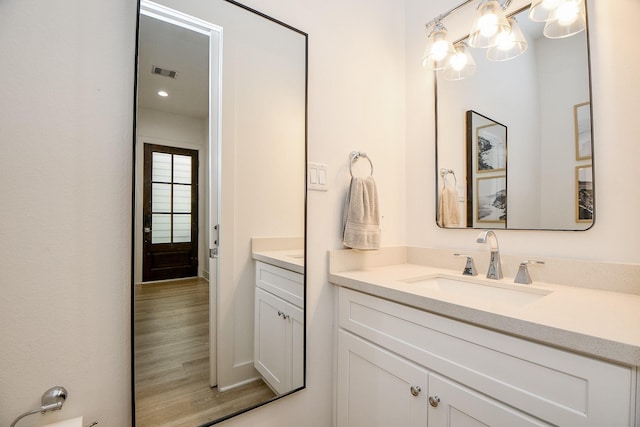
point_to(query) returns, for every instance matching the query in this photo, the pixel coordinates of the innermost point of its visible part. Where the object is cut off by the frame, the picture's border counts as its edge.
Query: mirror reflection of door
(170, 213)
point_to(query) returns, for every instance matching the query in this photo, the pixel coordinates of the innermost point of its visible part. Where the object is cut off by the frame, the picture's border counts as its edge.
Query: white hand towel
(361, 220)
(448, 211)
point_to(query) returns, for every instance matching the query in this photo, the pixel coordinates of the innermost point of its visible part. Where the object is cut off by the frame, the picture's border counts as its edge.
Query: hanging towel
(361, 220)
(448, 212)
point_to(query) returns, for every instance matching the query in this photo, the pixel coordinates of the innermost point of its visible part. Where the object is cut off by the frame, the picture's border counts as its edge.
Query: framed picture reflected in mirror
(584, 194)
(491, 196)
(582, 125)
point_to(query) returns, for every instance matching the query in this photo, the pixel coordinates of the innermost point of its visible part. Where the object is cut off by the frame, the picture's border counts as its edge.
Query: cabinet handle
(434, 400)
(415, 390)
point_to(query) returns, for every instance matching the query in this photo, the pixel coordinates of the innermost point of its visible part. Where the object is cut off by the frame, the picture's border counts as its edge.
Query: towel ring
(355, 155)
(444, 172)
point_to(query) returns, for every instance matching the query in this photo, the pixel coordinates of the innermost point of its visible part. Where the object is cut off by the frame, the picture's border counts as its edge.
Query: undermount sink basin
(502, 293)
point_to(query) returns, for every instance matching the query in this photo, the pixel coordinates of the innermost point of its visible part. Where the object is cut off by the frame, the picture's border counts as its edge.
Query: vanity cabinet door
(270, 339)
(453, 405)
(377, 388)
(278, 342)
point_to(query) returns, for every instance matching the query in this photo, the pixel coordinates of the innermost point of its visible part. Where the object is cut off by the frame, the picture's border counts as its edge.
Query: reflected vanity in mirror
(541, 177)
(220, 218)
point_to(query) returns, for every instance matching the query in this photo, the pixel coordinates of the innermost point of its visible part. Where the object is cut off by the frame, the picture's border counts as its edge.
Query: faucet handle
(470, 266)
(523, 275)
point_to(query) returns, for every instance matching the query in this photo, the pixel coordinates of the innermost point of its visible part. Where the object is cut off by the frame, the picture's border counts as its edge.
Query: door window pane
(160, 197)
(161, 167)
(181, 169)
(182, 228)
(160, 228)
(182, 198)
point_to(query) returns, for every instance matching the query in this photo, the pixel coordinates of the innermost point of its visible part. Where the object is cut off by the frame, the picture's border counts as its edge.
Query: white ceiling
(173, 48)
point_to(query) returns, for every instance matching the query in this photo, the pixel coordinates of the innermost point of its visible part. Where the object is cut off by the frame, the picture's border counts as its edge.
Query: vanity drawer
(283, 283)
(554, 385)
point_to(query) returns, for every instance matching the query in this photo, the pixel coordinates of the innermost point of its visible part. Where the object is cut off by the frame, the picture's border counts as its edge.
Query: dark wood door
(170, 222)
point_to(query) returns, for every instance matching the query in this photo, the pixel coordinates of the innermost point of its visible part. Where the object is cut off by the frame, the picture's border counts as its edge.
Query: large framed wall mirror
(218, 297)
(514, 141)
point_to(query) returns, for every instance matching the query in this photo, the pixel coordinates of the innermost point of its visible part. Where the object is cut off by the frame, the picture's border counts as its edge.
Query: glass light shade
(566, 20)
(508, 44)
(438, 52)
(489, 21)
(461, 64)
(541, 10)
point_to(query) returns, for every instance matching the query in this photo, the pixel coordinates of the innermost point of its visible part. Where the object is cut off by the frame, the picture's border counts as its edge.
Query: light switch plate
(317, 177)
(461, 193)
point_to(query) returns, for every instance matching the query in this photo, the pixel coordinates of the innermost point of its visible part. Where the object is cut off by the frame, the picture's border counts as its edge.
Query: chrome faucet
(469, 267)
(495, 268)
(523, 275)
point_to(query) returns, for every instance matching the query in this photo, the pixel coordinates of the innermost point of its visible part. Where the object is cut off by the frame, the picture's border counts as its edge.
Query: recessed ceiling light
(163, 93)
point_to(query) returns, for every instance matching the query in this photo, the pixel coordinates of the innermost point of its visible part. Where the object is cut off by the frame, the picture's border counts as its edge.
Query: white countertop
(595, 322)
(289, 259)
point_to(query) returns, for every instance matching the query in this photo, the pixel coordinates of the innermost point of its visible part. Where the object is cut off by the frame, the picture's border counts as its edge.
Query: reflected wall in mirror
(220, 221)
(543, 98)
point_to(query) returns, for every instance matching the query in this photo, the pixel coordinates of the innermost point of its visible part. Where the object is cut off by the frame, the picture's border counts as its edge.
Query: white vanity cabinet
(377, 388)
(467, 375)
(279, 327)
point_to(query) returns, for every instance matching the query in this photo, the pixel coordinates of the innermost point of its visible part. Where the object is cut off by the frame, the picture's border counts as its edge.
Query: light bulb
(461, 64)
(567, 13)
(488, 25)
(458, 61)
(510, 43)
(439, 50)
(505, 40)
(489, 20)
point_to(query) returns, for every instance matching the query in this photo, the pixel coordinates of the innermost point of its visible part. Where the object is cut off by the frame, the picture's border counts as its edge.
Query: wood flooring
(172, 359)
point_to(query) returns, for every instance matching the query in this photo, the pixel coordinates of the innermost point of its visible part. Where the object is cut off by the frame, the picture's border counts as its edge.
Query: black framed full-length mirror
(542, 177)
(218, 321)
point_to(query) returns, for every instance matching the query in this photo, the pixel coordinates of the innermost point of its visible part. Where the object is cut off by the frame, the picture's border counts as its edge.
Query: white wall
(66, 104)
(615, 91)
(568, 87)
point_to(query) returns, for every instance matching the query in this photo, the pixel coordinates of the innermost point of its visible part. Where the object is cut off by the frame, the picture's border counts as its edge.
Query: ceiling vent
(162, 72)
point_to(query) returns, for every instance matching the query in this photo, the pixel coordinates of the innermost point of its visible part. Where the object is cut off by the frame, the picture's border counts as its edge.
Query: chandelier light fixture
(500, 34)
